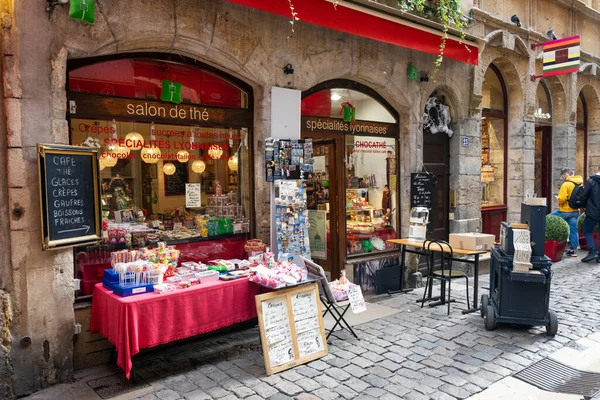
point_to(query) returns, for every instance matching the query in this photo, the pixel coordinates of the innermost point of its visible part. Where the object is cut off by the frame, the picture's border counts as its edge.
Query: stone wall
(36, 289)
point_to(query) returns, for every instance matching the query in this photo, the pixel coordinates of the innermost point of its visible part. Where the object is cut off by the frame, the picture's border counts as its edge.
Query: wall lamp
(288, 69)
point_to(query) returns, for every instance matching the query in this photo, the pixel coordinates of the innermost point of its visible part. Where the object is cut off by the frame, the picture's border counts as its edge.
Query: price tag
(357, 301)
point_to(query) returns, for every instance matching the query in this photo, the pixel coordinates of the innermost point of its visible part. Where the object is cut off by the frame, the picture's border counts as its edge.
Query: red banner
(344, 19)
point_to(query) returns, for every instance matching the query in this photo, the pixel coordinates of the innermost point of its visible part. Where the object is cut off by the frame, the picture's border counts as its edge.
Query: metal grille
(115, 385)
(553, 376)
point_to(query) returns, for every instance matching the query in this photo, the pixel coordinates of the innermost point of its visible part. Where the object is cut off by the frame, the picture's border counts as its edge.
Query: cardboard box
(535, 201)
(472, 241)
(522, 267)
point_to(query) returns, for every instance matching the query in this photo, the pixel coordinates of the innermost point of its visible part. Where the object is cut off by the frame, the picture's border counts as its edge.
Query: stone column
(564, 152)
(593, 148)
(465, 175)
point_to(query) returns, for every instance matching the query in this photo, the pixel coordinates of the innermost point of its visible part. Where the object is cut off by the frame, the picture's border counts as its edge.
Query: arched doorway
(353, 197)
(581, 159)
(436, 161)
(494, 145)
(543, 144)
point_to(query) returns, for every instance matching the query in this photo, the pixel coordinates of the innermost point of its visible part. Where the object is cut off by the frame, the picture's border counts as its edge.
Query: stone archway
(591, 130)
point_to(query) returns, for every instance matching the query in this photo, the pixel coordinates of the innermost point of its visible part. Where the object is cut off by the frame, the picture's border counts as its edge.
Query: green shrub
(580, 224)
(556, 228)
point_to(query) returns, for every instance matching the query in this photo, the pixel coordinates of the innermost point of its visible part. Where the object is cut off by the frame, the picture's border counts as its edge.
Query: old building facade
(526, 147)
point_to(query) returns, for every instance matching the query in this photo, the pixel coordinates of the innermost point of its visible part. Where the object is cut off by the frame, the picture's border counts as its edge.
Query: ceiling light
(232, 163)
(335, 97)
(169, 168)
(215, 151)
(198, 166)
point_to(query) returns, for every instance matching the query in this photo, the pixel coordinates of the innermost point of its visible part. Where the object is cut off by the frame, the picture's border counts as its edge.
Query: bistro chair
(445, 274)
(337, 309)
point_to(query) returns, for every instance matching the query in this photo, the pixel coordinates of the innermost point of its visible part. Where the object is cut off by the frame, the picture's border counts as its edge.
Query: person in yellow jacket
(564, 211)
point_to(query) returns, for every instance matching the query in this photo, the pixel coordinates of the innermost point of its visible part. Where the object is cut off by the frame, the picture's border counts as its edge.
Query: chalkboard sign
(291, 327)
(421, 190)
(69, 196)
(175, 184)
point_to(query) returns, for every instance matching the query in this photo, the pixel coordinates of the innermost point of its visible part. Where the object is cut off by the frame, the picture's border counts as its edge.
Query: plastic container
(126, 291)
(208, 276)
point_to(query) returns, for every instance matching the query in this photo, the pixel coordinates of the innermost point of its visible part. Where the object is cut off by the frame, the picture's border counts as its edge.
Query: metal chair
(445, 274)
(337, 309)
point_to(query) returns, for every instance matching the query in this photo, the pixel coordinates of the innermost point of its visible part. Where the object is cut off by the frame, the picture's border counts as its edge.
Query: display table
(148, 320)
(420, 247)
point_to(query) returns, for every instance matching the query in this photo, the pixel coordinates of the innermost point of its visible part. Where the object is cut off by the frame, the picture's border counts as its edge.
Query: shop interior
(362, 169)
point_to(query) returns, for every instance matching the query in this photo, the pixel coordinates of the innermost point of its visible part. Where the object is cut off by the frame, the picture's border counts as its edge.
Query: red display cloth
(148, 320)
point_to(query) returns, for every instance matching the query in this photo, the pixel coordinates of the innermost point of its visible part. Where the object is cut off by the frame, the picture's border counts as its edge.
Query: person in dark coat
(591, 196)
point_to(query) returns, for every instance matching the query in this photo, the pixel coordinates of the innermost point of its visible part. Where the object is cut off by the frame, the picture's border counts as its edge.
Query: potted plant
(582, 243)
(557, 234)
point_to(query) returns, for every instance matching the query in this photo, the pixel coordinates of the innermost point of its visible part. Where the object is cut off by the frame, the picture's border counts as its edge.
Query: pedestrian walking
(565, 211)
(591, 197)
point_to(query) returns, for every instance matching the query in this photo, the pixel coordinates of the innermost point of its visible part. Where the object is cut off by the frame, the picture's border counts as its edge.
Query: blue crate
(108, 284)
(125, 291)
(111, 276)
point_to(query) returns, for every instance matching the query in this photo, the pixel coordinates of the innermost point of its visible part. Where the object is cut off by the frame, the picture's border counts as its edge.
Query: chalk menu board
(175, 184)
(291, 327)
(69, 196)
(421, 190)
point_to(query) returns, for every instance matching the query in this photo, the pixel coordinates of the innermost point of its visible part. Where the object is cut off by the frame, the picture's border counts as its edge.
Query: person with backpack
(590, 198)
(565, 211)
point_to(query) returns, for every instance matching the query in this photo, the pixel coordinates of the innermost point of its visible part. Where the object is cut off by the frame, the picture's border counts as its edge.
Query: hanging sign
(82, 10)
(69, 196)
(171, 92)
(291, 327)
(192, 195)
(562, 56)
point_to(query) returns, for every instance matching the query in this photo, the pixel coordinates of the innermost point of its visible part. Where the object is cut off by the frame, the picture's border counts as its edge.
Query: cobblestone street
(413, 354)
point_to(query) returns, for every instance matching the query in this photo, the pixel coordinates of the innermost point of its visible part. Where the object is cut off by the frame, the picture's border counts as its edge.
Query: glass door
(321, 192)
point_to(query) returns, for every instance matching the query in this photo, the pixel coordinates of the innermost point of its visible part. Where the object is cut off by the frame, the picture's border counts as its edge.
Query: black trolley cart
(516, 297)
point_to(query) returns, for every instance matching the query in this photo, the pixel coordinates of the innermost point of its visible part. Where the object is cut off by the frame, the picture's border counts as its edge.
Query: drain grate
(553, 376)
(115, 385)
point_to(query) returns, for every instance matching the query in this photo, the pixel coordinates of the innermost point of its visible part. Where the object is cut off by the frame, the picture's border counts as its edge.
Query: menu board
(69, 195)
(175, 184)
(192, 195)
(291, 327)
(421, 189)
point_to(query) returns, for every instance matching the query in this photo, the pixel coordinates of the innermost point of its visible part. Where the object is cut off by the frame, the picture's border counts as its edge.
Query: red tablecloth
(148, 320)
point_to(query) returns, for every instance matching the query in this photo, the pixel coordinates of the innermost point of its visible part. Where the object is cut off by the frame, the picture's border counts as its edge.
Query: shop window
(370, 193)
(493, 140)
(581, 141)
(146, 167)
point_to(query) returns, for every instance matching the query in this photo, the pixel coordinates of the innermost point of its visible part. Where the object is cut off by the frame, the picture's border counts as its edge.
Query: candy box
(164, 288)
(227, 277)
(125, 291)
(207, 276)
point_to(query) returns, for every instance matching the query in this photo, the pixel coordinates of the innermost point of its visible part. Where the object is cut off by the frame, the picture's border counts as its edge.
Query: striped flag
(561, 56)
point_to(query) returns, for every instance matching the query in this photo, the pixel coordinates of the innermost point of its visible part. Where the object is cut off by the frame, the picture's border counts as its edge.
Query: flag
(561, 56)
(171, 92)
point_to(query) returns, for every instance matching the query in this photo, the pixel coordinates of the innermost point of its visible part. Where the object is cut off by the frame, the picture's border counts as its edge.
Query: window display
(370, 193)
(174, 154)
(493, 140)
